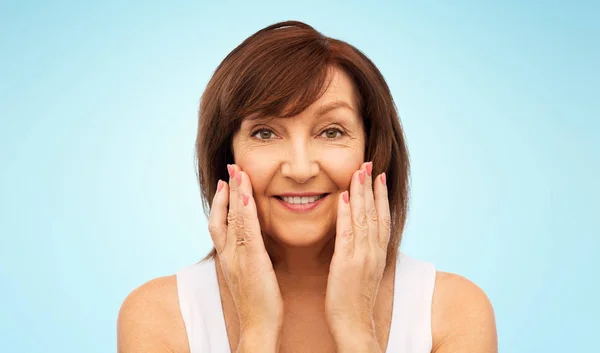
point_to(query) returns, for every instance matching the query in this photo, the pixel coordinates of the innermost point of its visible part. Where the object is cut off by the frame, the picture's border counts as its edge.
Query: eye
(332, 133)
(263, 134)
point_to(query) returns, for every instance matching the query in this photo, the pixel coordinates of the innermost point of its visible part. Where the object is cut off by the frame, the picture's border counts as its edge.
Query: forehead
(341, 88)
(341, 94)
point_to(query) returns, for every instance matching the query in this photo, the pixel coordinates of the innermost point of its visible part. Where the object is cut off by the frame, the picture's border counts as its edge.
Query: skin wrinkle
(298, 157)
(349, 132)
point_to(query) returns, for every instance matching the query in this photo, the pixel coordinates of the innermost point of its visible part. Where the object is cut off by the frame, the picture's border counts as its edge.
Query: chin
(300, 235)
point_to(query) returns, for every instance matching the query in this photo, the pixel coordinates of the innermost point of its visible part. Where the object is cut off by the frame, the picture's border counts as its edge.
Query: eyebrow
(331, 106)
(322, 110)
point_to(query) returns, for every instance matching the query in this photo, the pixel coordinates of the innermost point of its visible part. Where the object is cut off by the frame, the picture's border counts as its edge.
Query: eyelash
(341, 133)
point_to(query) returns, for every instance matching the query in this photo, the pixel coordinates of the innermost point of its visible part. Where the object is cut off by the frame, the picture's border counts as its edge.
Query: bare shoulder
(463, 319)
(150, 319)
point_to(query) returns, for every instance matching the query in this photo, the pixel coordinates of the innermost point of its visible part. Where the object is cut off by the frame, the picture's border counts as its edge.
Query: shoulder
(462, 316)
(150, 319)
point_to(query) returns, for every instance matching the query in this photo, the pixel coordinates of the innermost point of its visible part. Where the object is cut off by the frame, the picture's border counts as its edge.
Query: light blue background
(98, 195)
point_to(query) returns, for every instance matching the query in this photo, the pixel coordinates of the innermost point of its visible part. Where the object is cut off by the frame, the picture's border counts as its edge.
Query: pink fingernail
(238, 178)
(383, 178)
(231, 171)
(345, 197)
(219, 185)
(361, 176)
(245, 199)
(369, 168)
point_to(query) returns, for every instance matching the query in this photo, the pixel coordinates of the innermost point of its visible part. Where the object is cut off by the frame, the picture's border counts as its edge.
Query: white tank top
(410, 331)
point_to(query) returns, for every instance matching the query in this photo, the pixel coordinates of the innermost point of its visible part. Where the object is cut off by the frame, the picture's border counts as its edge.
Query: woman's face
(314, 153)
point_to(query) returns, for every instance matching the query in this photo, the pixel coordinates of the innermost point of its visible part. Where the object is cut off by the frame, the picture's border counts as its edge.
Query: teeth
(296, 200)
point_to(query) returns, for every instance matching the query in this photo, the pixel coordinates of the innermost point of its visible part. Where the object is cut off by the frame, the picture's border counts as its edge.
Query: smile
(301, 203)
(296, 200)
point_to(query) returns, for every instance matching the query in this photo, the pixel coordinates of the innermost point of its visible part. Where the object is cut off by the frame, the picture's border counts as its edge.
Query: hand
(358, 262)
(241, 253)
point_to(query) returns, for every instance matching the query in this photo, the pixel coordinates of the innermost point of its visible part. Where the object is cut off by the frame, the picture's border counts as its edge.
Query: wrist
(263, 340)
(358, 341)
(359, 345)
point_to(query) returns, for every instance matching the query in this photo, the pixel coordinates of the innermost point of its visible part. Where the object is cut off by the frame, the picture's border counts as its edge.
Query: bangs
(280, 71)
(280, 79)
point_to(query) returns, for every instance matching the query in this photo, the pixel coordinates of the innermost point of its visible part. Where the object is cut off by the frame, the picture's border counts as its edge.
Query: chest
(305, 328)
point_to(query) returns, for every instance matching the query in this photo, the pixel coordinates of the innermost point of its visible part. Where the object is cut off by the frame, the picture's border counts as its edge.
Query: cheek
(340, 164)
(260, 170)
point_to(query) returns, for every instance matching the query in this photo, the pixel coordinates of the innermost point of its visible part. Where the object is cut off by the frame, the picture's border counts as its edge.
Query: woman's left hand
(356, 270)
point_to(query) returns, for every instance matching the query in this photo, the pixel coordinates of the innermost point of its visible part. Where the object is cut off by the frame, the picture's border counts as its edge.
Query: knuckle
(247, 234)
(239, 225)
(348, 233)
(243, 236)
(232, 217)
(372, 216)
(386, 222)
(213, 229)
(360, 221)
(241, 241)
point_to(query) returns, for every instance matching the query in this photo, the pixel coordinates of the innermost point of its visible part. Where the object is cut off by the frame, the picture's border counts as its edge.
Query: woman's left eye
(332, 133)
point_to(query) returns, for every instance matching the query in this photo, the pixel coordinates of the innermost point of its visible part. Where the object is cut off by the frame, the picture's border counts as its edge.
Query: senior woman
(304, 175)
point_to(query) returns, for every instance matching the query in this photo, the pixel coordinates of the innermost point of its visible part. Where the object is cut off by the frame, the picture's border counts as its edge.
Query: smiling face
(313, 154)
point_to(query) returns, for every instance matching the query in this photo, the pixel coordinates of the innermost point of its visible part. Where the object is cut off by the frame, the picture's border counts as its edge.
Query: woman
(304, 173)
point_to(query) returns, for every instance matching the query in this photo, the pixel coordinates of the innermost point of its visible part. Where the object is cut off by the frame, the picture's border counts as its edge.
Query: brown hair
(280, 71)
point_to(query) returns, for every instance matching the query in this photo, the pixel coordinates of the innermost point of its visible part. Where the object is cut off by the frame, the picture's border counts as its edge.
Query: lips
(301, 203)
(301, 199)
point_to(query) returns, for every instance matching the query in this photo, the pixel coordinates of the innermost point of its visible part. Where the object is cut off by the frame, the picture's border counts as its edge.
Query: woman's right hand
(242, 256)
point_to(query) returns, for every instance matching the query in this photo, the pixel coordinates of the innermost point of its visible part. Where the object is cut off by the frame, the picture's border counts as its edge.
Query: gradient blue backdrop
(98, 195)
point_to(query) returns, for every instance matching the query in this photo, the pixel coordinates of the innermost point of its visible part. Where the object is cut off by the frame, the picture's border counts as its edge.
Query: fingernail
(238, 178)
(345, 197)
(219, 185)
(383, 178)
(369, 168)
(245, 199)
(361, 176)
(231, 171)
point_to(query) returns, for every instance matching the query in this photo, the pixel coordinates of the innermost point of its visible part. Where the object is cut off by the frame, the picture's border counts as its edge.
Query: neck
(301, 262)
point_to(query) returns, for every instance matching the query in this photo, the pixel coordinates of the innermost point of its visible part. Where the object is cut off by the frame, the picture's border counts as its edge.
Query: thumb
(344, 239)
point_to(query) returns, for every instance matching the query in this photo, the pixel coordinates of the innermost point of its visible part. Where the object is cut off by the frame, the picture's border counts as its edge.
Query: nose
(300, 163)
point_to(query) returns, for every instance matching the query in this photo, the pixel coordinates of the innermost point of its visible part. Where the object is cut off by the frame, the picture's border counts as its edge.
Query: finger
(357, 208)
(252, 234)
(383, 211)
(370, 211)
(217, 220)
(344, 234)
(233, 217)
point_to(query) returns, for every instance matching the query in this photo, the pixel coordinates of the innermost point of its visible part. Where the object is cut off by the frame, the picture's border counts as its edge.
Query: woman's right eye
(263, 134)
